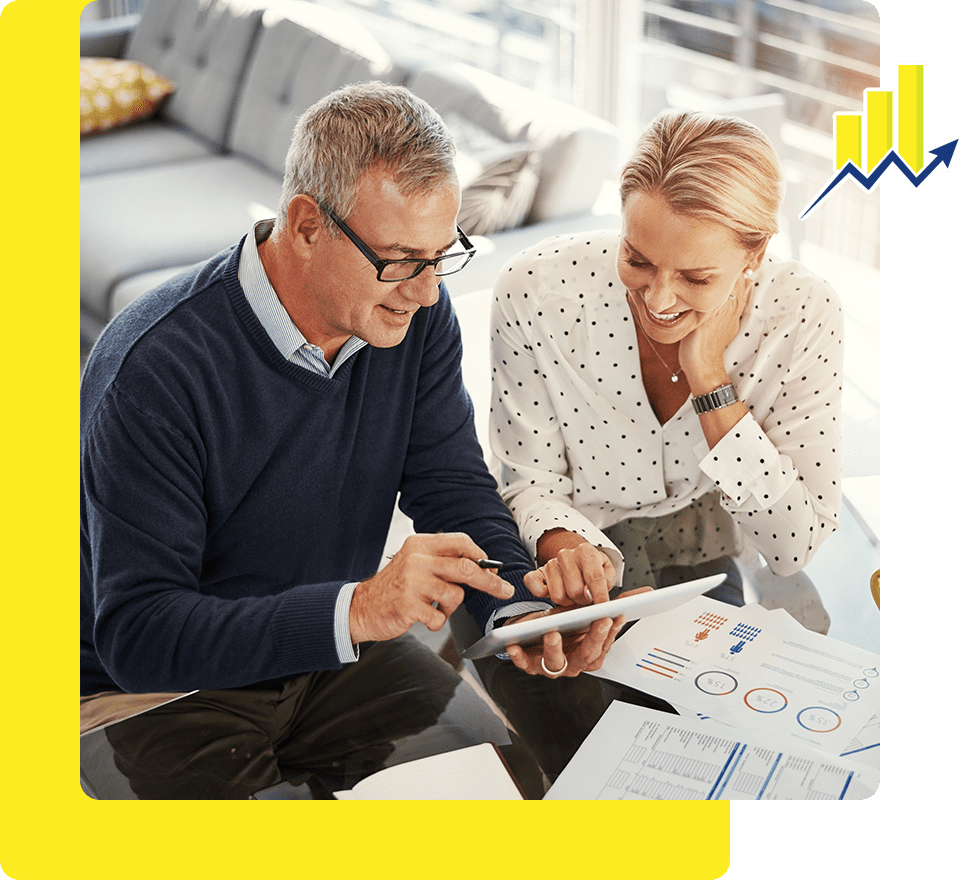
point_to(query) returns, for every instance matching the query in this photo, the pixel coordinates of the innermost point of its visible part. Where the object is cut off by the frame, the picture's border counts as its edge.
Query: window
(536, 43)
(628, 59)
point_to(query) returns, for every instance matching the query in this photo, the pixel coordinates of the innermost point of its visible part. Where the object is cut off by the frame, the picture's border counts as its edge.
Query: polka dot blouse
(580, 448)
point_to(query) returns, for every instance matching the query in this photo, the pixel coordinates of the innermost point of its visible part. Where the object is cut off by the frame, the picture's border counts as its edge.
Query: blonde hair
(359, 127)
(718, 168)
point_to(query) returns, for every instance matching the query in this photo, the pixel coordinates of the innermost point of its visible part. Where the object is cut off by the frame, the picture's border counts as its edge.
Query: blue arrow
(942, 155)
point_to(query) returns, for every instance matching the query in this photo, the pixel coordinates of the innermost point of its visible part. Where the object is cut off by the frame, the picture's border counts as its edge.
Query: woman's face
(676, 269)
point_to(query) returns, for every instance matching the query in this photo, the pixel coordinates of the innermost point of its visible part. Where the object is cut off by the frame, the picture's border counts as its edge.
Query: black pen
(493, 564)
(490, 563)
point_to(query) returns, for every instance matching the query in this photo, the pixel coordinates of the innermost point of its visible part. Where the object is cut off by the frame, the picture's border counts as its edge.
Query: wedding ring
(553, 672)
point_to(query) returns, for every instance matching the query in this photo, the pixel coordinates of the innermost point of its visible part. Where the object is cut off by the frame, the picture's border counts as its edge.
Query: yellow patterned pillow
(116, 91)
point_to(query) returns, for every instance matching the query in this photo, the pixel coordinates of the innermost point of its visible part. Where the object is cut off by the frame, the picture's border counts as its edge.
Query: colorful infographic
(752, 668)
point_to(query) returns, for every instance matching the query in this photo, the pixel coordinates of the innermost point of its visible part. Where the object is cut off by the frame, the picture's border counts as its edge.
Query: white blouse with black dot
(580, 447)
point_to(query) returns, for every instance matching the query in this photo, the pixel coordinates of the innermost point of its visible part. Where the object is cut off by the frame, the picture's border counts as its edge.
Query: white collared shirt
(263, 299)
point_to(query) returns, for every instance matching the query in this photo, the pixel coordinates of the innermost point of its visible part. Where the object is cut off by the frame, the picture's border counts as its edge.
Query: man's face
(345, 297)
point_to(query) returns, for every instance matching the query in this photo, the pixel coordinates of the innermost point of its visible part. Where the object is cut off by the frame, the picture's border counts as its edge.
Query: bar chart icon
(888, 132)
(865, 139)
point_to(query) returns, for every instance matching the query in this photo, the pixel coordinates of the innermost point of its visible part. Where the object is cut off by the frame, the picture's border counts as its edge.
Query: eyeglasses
(401, 270)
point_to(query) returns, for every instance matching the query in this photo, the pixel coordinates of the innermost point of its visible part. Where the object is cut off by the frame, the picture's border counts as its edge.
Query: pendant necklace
(651, 345)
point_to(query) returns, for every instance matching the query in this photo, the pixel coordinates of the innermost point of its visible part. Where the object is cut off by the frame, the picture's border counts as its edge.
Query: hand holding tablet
(633, 607)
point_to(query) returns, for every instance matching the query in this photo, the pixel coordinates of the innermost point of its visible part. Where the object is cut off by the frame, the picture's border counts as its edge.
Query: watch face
(716, 399)
(725, 395)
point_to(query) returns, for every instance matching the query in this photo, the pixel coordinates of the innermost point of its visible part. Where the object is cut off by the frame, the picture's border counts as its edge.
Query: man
(245, 431)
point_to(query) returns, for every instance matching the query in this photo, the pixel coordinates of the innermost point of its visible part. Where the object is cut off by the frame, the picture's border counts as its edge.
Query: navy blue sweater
(227, 495)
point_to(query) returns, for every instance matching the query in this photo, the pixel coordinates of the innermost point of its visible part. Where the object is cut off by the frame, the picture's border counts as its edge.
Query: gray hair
(357, 128)
(718, 168)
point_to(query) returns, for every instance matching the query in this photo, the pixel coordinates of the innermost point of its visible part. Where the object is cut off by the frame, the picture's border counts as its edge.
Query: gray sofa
(159, 195)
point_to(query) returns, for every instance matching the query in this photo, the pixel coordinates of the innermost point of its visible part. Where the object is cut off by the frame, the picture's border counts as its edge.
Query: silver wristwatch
(722, 396)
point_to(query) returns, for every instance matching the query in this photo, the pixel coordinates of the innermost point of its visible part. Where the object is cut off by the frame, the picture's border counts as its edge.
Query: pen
(482, 563)
(490, 563)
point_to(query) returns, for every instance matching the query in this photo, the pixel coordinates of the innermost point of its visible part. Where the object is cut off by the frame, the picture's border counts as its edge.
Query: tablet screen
(634, 607)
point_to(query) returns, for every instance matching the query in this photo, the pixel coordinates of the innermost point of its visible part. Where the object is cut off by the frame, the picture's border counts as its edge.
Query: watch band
(721, 396)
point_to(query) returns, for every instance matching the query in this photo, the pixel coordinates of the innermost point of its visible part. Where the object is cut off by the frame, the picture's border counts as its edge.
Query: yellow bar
(848, 139)
(878, 126)
(910, 115)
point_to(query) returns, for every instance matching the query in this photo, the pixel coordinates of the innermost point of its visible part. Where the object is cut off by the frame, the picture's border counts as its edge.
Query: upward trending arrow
(942, 154)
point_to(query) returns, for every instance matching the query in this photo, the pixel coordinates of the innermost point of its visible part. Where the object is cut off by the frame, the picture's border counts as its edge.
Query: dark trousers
(338, 726)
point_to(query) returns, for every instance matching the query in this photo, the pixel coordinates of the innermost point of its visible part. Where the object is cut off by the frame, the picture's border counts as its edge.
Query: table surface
(841, 571)
(464, 721)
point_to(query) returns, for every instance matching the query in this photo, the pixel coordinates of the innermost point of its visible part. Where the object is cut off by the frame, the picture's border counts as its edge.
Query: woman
(667, 399)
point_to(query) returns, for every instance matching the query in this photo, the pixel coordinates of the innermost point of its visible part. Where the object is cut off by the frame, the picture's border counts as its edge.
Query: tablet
(633, 607)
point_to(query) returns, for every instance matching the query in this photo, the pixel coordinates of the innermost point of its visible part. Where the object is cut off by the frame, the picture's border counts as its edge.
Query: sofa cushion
(203, 45)
(137, 285)
(578, 150)
(304, 52)
(170, 215)
(116, 91)
(498, 178)
(139, 145)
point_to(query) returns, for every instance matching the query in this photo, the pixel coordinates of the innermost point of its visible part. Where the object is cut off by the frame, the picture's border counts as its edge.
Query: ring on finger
(554, 673)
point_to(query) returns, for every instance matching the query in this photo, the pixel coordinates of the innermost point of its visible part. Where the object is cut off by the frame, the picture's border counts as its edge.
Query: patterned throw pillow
(117, 91)
(498, 179)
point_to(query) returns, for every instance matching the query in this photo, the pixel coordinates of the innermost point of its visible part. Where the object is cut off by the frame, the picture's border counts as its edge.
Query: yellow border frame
(50, 829)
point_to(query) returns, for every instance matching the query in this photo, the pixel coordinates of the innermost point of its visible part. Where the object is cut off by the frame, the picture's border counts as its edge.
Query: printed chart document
(754, 669)
(634, 753)
(866, 747)
(475, 773)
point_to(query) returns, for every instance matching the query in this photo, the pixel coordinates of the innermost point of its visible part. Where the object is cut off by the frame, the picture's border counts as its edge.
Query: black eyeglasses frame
(469, 251)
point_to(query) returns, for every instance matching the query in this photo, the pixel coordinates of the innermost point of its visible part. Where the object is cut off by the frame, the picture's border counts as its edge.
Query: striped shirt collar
(266, 305)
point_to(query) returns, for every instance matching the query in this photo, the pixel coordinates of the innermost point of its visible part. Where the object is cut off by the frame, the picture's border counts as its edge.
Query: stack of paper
(635, 753)
(750, 678)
